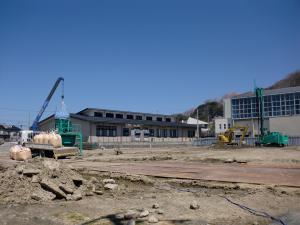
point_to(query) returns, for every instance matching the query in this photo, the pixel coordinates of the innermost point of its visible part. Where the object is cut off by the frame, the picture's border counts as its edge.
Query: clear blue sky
(161, 56)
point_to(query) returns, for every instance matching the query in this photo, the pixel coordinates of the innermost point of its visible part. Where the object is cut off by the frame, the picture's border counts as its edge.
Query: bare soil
(138, 192)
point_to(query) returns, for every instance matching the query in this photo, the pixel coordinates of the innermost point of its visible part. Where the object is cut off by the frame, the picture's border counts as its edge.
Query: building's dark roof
(122, 111)
(124, 121)
(270, 92)
(9, 128)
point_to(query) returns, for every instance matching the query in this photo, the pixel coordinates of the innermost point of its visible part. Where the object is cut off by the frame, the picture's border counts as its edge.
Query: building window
(151, 132)
(109, 115)
(98, 114)
(119, 116)
(158, 133)
(148, 117)
(224, 126)
(126, 132)
(173, 133)
(138, 117)
(165, 133)
(129, 117)
(158, 119)
(220, 126)
(106, 131)
(229, 125)
(191, 133)
(168, 119)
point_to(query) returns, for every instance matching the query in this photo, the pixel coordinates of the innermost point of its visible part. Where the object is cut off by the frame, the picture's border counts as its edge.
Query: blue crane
(34, 125)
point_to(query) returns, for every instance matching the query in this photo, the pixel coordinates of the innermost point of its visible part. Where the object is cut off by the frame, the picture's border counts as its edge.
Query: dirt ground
(217, 202)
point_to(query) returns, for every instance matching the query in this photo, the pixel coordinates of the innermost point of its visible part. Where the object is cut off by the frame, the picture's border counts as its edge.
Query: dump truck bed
(45, 150)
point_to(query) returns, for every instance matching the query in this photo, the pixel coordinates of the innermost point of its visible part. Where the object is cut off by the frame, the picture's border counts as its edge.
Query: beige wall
(252, 125)
(89, 128)
(47, 125)
(289, 125)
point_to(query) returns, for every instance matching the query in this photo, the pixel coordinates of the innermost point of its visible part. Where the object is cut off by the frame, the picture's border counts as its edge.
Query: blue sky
(162, 56)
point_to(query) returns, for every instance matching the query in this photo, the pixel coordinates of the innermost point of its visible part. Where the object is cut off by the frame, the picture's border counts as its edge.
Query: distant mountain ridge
(291, 80)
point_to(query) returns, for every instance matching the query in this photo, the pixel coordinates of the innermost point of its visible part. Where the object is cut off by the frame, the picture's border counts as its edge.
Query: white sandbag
(36, 139)
(13, 151)
(55, 140)
(23, 154)
(51, 138)
(58, 141)
(40, 138)
(44, 139)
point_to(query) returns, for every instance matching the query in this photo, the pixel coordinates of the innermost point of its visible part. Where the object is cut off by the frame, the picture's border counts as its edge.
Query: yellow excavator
(228, 137)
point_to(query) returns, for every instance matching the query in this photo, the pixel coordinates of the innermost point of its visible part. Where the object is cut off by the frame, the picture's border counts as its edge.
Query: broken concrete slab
(51, 164)
(152, 219)
(108, 181)
(77, 195)
(31, 172)
(41, 195)
(52, 187)
(110, 186)
(66, 189)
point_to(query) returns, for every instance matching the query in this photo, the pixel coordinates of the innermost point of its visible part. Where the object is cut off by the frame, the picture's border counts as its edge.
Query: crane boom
(34, 125)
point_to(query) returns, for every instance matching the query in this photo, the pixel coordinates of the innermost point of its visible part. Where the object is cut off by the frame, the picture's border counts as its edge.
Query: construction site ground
(224, 186)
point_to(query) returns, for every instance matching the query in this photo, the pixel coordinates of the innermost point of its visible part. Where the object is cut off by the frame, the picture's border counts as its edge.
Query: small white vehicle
(25, 136)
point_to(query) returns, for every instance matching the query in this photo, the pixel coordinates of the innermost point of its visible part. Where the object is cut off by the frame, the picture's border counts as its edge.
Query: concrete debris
(66, 189)
(155, 206)
(110, 186)
(41, 180)
(120, 216)
(109, 181)
(98, 192)
(152, 219)
(194, 205)
(35, 179)
(89, 193)
(229, 161)
(77, 195)
(144, 213)
(69, 197)
(51, 164)
(19, 169)
(160, 211)
(93, 180)
(52, 187)
(30, 172)
(131, 222)
(41, 195)
(131, 214)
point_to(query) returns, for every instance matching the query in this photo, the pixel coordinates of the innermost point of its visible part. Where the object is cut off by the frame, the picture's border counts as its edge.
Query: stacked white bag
(48, 138)
(17, 152)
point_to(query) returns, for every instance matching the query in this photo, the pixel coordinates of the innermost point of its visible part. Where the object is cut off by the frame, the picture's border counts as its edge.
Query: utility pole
(197, 133)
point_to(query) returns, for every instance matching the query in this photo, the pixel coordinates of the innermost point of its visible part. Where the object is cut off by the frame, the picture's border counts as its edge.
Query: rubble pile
(41, 179)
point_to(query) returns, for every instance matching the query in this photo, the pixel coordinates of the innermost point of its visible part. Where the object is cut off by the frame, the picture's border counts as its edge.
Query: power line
(22, 110)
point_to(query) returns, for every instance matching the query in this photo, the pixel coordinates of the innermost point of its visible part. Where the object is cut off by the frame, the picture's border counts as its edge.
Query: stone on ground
(110, 186)
(194, 205)
(131, 214)
(155, 206)
(109, 181)
(152, 219)
(144, 213)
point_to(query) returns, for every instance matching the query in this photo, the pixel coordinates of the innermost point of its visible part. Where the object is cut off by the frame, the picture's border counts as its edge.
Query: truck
(71, 140)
